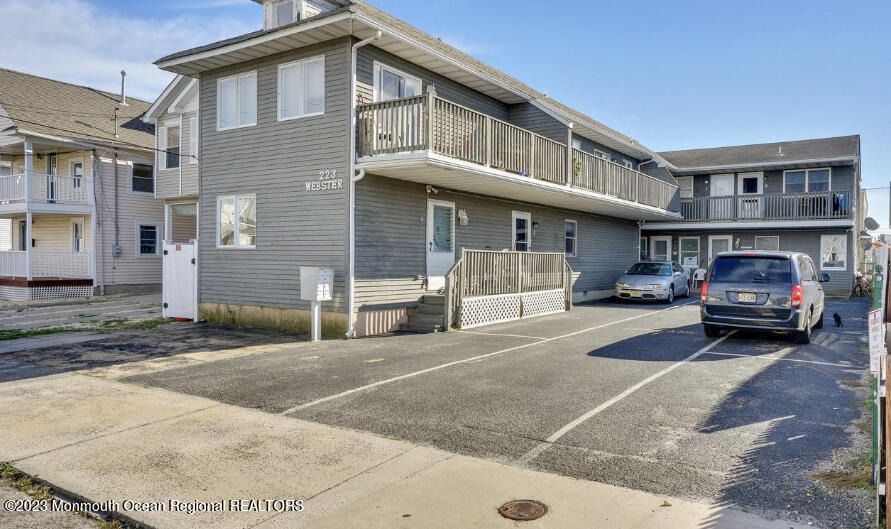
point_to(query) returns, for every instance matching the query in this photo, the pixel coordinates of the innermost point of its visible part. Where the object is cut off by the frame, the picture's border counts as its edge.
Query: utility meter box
(316, 283)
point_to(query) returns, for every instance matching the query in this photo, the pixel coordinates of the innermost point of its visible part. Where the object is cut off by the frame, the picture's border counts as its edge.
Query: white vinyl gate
(180, 287)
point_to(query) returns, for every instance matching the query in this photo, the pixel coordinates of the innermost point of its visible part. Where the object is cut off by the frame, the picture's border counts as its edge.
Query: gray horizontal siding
(274, 160)
(391, 238)
(530, 117)
(842, 179)
(616, 156)
(805, 240)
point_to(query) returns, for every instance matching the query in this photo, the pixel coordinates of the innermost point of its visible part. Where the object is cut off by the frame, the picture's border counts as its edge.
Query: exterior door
(689, 252)
(77, 234)
(750, 189)
(660, 248)
(52, 167)
(440, 242)
(718, 244)
(522, 226)
(721, 191)
(23, 236)
(180, 281)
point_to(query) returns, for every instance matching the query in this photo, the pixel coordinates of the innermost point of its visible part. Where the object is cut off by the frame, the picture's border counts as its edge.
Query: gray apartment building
(797, 195)
(440, 190)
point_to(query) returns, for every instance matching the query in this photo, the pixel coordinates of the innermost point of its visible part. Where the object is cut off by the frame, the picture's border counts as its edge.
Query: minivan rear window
(747, 269)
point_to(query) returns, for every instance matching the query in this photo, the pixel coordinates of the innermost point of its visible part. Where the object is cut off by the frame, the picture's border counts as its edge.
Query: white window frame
(513, 229)
(668, 242)
(681, 188)
(681, 251)
(162, 145)
(602, 155)
(760, 186)
(158, 229)
(577, 145)
(77, 183)
(295, 5)
(83, 238)
(777, 237)
(713, 238)
(237, 78)
(379, 66)
(130, 189)
(807, 179)
(627, 164)
(193, 141)
(302, 64)
(575, 237)
(237, 245)
(844, 267)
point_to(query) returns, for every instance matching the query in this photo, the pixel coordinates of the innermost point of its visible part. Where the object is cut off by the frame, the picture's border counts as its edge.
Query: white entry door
(721, 190)
(718, 244)
(180, 281)
(77, 234)
(440, 242)
(660, 248)
(522, 231)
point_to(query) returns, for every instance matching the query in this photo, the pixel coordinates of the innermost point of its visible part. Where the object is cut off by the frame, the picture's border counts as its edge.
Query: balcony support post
(29, 171)
(29, 236)
(531, 171)
(570, 164)
(431, 115)
(488, 122)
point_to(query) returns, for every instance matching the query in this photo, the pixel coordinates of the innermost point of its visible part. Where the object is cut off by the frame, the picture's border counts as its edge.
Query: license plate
(636, 293)
(745, 297)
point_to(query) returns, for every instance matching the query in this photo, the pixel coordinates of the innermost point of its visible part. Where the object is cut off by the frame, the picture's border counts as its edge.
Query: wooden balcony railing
(45, 188)
(816, 205)
(430, 123)
(46, 264)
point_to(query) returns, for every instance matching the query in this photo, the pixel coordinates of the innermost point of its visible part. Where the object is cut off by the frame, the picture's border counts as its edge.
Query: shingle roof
(766, 153)
(366, 10)
(41, 105)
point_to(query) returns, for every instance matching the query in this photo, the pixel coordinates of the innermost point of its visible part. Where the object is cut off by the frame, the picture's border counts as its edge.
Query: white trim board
(774, 225)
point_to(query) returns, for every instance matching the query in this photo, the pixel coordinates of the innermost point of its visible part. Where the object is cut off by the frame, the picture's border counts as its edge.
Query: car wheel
(819, 324)
(670, 298)
(804, 337)
(711, 331)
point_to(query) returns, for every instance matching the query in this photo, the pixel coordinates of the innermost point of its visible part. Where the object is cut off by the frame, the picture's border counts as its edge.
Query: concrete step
(430, 310)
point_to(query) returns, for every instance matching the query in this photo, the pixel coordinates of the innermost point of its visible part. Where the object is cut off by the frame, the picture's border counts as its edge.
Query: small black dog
(837, 318)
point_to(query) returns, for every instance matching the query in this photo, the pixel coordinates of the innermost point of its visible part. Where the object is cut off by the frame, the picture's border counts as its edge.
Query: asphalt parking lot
(631, 395)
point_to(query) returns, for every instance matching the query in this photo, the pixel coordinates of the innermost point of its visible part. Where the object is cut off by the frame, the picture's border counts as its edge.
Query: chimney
(123, 86)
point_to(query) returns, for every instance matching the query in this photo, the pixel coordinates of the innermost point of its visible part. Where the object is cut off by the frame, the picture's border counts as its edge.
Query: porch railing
(430, 123)
(47, 264)
(815, 205)
(480, 273)
(45, 188)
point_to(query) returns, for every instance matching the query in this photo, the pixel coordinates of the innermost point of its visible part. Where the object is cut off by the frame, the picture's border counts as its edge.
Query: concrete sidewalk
(109, 441)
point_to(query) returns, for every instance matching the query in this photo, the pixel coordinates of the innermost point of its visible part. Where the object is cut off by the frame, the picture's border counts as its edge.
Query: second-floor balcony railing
(815, 205)
(430, 123)
(44, 188)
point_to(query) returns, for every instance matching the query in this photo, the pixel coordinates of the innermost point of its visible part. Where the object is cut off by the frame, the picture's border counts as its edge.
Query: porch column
(28, 238)
(570, 166)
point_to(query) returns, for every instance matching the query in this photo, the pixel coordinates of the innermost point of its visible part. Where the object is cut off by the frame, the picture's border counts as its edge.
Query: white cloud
(77, 42)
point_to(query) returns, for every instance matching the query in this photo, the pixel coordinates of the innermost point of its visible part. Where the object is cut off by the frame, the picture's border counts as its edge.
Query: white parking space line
(468, 360)
(530, 455)
(773, 357)
(508, 335)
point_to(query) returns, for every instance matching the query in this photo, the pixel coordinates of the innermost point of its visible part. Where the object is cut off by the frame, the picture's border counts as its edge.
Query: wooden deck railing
(46, 188)
(430, 123)
(492, 273)
(777, 206)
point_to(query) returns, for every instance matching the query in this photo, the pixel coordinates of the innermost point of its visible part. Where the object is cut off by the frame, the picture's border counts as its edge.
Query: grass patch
(857, 476)
(14, 334)
(118, 324)
(853, 383)
(23, 483)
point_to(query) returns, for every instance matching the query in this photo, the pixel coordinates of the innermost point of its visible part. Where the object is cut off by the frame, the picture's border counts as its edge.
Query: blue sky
(672, 74)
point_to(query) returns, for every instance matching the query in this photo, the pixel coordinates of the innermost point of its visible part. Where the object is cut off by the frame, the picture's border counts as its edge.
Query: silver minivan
(763, 290)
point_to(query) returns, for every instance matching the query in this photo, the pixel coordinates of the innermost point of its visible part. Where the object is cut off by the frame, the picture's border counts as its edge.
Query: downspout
(98, 194)
(117, 241)
(353, 179)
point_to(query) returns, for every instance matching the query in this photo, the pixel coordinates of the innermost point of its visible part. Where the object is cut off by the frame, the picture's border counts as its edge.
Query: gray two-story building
(339, 136)
(797, 195)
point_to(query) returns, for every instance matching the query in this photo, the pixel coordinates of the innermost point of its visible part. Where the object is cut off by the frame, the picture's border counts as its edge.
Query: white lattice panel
(484, 310)
(543, 302)
(82, 291)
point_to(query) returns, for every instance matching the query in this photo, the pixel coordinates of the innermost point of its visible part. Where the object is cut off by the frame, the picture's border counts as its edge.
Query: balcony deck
(45, 193)
(431, 140)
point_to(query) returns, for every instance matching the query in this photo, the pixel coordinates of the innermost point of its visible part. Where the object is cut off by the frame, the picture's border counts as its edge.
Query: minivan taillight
(797, 295)
(704, 291)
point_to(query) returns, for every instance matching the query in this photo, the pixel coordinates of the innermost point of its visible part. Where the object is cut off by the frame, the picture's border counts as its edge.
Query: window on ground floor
(571, 229)
(767, 242)
(689, 250)
(237, 221)
(148, 237)
(834, 252)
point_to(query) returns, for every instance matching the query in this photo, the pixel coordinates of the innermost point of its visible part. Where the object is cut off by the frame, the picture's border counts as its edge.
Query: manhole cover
(523, 510)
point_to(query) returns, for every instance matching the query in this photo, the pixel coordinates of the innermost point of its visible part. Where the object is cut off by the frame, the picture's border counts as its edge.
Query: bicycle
(862, 288)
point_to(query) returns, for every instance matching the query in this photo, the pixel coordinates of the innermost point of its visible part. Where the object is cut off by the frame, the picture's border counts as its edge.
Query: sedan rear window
(745, 269)
(650, 269)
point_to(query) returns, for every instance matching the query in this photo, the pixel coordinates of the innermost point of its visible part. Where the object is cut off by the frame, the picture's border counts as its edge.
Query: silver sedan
(649, 280)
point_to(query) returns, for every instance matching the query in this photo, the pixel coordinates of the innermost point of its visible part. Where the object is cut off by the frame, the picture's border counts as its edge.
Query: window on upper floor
(577, 145)
(237, 101)
(390, 83)
(142, 179)
(193, 140)
(810, 180)
(282, 13)
(628, 164)
(685, 185)
(169, 145)
(301, 88)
